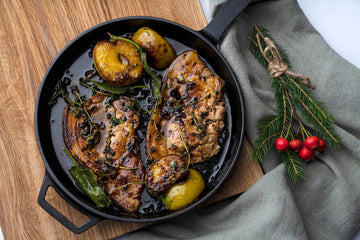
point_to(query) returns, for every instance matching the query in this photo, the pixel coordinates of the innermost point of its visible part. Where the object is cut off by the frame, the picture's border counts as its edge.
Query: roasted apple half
(160, 52)
(118, 62)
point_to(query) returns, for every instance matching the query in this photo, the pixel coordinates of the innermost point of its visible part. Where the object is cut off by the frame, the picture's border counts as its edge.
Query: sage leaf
(114, 89)
(86, 180)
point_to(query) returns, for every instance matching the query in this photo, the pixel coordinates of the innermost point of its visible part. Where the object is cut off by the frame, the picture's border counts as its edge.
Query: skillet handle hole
(54, 199)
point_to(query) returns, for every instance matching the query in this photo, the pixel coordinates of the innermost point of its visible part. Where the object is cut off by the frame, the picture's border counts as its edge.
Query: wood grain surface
(32, 33)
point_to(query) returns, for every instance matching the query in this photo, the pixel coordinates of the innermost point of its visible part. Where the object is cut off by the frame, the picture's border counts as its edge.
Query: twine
(277, 66)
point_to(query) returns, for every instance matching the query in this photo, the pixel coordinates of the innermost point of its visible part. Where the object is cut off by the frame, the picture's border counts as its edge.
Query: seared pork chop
(190, 114)
(102, 137)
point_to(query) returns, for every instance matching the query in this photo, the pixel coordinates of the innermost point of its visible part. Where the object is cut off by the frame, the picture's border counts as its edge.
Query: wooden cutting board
(33, 32)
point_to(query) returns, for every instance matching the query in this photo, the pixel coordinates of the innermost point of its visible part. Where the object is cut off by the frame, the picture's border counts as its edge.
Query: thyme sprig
(295, 102)
(162, 135)
(124, 186)
(77, 106)
(186, 147)
(60, 91)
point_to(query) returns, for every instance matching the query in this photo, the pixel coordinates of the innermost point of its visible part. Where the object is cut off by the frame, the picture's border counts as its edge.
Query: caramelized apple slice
(118, 63)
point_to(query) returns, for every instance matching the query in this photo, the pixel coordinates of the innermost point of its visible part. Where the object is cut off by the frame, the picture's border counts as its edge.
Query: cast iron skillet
(204, 41)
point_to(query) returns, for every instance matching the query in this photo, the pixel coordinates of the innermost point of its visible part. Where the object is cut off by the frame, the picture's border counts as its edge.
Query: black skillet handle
(223, 18)
(47, 182)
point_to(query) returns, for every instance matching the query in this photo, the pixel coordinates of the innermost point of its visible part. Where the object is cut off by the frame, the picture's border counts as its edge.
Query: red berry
(306, 154)
(282, 144)
(322, 146)
(311, 142)
(295, 145)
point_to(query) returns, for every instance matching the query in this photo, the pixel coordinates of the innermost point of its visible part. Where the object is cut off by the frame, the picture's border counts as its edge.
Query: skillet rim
(75, 200)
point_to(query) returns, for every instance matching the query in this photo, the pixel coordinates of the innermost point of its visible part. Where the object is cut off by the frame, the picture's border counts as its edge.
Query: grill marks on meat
(191, 111)
(115, 143)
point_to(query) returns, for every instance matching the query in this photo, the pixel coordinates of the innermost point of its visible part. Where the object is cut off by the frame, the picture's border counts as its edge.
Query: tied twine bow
(276, 65)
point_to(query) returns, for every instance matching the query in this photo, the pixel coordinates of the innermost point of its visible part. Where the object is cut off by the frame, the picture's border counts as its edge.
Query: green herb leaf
(60, 91)
(186, 148)
(181, 77)
(156, 80)
(165, 199)
(115, 121)
(173, 164)
(114, 89)
(86, 180)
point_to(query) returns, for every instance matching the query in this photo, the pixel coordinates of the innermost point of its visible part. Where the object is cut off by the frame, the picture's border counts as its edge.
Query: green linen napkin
(327, 204)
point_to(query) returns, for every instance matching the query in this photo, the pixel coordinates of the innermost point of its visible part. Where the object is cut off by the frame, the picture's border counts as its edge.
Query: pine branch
(254, 47)
(270, 125)
(283, 106)
(295, 87)
(269, 131)
(312, 110)
(325, 129)
(293, 98)
(293, 165)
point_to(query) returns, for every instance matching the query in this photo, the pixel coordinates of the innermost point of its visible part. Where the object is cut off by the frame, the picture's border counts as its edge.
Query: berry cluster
(306, 149)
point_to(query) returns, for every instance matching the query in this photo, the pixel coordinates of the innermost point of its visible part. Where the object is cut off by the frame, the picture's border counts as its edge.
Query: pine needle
(293, 165)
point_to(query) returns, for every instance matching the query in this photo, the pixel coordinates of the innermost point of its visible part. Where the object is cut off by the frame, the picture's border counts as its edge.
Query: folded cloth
(327, 204)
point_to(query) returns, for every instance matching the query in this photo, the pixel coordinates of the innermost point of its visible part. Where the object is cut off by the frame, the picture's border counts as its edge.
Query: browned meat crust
(163, 173)
(192, 106)
(186, 122)
(110, 149)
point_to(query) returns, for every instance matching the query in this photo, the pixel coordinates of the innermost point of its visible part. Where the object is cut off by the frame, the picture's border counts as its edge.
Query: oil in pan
(150, 207)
